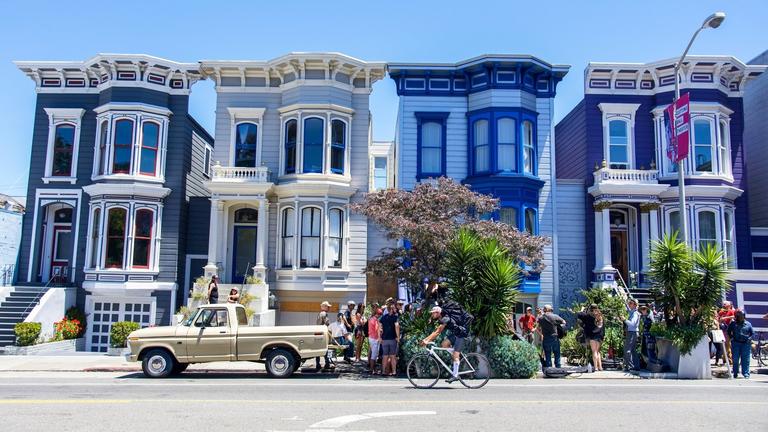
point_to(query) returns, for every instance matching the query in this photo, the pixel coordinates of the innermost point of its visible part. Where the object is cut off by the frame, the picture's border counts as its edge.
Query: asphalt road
(72, 401)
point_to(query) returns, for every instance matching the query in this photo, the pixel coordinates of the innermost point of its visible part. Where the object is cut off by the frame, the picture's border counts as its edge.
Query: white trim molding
(122, 189)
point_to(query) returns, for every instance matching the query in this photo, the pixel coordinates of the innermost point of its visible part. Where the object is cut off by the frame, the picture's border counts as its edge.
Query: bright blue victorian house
(486, 122)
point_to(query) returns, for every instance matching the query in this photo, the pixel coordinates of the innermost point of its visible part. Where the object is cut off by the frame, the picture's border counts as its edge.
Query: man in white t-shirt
(340, 333)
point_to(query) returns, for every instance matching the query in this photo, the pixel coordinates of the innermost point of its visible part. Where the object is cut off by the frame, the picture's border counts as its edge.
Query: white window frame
(238, 115)
(386, 171)
(208, 161)
(714, 148)
(724, 131)
(323, 235)
(609, 161)
(280, 226)
(56, 117)
(717, 212)
(343, 233)
(619, 111)
(731, 253)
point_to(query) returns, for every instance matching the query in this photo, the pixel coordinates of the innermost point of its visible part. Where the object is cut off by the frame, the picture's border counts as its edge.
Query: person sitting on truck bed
(340, 334)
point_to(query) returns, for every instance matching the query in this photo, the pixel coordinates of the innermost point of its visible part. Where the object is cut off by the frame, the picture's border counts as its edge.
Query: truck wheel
(158, 363)
(179, 368)
(280, 363)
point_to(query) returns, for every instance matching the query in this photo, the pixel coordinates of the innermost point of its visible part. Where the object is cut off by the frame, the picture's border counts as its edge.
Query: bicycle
(760, 350)
(425, 369)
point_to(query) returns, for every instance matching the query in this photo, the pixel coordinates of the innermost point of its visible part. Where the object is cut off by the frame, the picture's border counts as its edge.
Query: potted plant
(118, 337)
(689, 286)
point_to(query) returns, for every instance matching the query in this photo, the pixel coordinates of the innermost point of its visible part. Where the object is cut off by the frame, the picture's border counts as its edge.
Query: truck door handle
(222, 332)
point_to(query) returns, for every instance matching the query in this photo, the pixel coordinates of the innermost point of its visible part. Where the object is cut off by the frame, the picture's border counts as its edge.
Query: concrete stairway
(641, 294)
(15, 308)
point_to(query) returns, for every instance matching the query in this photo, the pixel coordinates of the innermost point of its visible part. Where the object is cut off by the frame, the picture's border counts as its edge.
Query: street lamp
(712, 21)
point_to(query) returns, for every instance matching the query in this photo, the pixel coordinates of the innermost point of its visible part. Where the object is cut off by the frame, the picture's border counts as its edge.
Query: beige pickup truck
(219, 332)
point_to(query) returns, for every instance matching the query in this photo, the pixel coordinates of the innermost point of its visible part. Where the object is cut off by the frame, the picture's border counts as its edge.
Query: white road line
(336, 422)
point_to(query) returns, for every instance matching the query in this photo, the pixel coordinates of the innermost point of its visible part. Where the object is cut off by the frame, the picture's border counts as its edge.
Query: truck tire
(179, 368)
(280, 363)
(158, 363)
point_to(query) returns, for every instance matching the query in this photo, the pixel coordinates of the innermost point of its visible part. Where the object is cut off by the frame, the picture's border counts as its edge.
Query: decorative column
(260, 269)
(604, 271)
(214, 233)
(645, 243)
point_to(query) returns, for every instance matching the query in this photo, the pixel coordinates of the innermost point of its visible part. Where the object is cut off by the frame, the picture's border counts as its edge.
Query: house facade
(291, 153)
(618, 191)
(116, 161)
(756, 147)
(487, 122)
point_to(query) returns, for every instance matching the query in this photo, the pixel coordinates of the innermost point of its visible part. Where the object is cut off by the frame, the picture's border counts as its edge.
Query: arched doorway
(623, 240)
(244, 236)
(56, 243)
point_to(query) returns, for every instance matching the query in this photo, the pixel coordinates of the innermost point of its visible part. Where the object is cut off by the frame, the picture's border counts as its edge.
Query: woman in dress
(213, 290)
(594, 333)
(360, 330)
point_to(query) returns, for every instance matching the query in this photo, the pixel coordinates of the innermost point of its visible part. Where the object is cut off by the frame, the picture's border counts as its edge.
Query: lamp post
(713, 21)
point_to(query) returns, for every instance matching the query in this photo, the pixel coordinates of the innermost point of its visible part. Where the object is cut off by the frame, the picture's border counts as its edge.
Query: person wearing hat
(213, 290)
(527, 324)
(322, 319)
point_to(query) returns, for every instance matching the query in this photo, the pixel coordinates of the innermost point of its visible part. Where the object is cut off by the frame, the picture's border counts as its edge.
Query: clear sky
(558, 31)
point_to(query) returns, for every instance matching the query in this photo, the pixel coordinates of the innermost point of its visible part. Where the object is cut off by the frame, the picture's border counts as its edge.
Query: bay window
(291, 127)
(63, 144)
(338, 146)
(313, 145)
(482, 152)
(507, 148)
(142, 238)
(115, 248)
(310, 237)
(246, 137)
(150, 141)
(123, 147)
(287, 237)
(702, 139)
(529, 151)
(335, 237)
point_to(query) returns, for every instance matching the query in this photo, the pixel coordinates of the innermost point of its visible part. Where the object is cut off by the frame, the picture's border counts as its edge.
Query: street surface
(126, 401)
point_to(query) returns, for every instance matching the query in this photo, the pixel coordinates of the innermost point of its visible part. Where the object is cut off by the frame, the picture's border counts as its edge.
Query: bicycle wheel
(423, 371)
(762, 355)
(474, 370)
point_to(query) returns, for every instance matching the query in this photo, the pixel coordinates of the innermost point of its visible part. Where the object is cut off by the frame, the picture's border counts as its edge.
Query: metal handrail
(621, 289)
(40, 294)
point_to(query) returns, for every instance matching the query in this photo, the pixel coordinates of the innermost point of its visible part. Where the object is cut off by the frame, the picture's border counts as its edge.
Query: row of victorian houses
(130, 199)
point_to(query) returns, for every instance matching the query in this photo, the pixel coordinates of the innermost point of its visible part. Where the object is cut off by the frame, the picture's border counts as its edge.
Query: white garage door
(104, 311)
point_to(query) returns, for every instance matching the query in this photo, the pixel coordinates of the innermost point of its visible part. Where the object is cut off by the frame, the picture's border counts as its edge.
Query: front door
(209, 338)
(61, 252)
(620, 253)
(244, 252)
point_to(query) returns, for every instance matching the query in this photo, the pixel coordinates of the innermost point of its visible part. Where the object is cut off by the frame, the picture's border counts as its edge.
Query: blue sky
(568, 32)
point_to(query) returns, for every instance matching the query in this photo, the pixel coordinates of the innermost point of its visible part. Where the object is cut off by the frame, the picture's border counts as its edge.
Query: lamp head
(714, 20)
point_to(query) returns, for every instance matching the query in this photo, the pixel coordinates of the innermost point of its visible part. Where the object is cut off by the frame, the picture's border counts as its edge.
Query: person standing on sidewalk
(374, 340)
(361, 330)
(527, 324)
(594, 333)
(322, 319)
(741, 332)
(725, 316)
(390, 337)
(547, 327)
(632, 327)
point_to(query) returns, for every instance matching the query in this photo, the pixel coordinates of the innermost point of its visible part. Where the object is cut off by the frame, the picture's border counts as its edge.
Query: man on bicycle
(455, 339)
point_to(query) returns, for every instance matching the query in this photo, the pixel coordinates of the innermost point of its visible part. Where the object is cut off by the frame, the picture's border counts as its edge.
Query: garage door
(104, 311)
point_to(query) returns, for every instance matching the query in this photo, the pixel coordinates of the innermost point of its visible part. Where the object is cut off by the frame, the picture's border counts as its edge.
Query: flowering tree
(429, 217)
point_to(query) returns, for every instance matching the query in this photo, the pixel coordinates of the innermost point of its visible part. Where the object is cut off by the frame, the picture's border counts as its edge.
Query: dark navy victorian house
(487, 122)
(617, 191)
(117, 161)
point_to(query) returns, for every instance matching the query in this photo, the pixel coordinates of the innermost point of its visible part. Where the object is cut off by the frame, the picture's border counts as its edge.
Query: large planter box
(116, 352)
(65, 346)
(695, 365)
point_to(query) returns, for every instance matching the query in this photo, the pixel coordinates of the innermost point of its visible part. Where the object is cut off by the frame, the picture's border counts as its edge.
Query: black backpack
(462, 320)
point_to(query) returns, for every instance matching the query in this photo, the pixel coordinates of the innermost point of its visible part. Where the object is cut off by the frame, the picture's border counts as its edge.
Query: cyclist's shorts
(456, 342)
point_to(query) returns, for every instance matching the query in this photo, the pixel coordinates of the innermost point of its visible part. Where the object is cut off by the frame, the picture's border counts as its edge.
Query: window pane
(674, 223)
(103, 146)
(507, 153)
(310, 237)
(95, 237)
(707, 230)
(506, 131)
(431, 148)
(247, 215)
(482, 155)
(62, 150)
(337, 132)
(288, 222)
(245, 145)
(141, 249)
(618, 155)
(618, 143)
(703, 139)
(335, 223)
(530, 221)
(290, 146)
(288, 230)
(508, 216)
(149, 143)
(380, 173)
(313, 145)
(335, 233)
(143, 223)
(337, 159)
(338, 139)
(529, 156)
(124, 132)
(617, 129)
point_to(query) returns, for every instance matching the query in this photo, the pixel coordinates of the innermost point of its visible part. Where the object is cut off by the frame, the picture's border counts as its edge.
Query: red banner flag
(678, 125)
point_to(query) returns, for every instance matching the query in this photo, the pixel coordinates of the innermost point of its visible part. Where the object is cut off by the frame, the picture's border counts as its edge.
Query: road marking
(336, 422)
(357, 401)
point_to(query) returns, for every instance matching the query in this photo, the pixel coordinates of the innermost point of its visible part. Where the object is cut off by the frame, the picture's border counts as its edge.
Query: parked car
(219, 332)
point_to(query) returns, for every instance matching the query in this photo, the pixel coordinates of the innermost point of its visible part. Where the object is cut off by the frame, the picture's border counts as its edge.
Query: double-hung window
(142, 238)
(431, 148)
(618, 144)
(707, 229)
(313, 145)
(150, 143)
(482, 149)
(116, 226)
(506, 142)
(530, 221)
(529, 150)
(310, 237)
(725, 158)
(246, 136)
(103, 140)
(335, 237)
(702, 138)
(123, 144)
(62, 149)
(508, 215)
(95, 236)
(63, 146)
(287, 236)
(380, 173)
(291, 129)
(338, 146)
(730, 249)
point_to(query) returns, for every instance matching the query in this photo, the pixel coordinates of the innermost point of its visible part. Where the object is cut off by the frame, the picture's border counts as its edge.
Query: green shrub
(27, 333)
(118, 336)
(512, 358)
(570, 348)
(684, 337)
(74, 313)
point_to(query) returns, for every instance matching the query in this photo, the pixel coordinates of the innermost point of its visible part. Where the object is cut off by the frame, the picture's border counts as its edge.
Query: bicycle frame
(433, 353)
